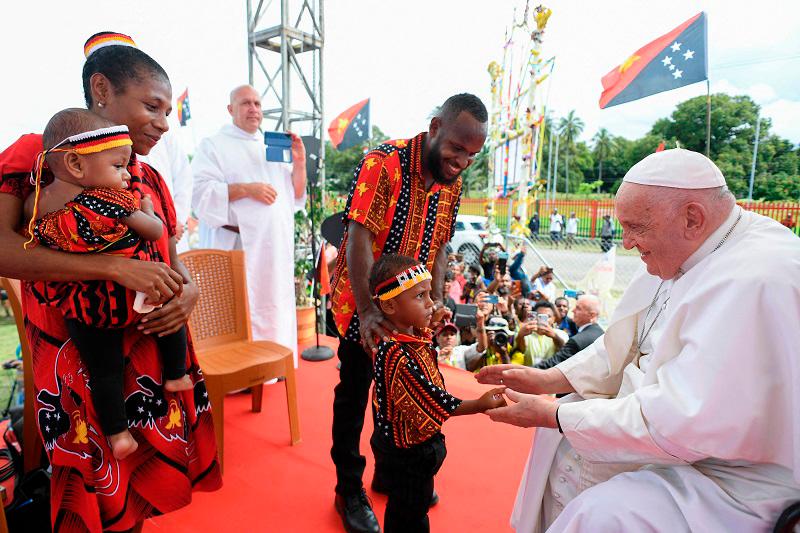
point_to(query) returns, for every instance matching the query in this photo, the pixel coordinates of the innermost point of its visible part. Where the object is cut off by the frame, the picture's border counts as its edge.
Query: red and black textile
(409, 399)
(91, 223)
(388, 197)
(90, 490)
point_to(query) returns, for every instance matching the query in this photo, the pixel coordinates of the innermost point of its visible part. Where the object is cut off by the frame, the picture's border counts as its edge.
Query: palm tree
(569, 129)
(604, 145)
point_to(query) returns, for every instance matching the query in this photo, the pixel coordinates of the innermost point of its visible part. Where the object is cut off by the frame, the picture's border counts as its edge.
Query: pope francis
(686, 413)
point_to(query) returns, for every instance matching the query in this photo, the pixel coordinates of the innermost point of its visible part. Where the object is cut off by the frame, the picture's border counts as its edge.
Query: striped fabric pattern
(409, 398)
(101, 40)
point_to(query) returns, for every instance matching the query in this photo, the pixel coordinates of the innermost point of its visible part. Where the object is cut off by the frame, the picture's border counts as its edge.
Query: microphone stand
(316, 353)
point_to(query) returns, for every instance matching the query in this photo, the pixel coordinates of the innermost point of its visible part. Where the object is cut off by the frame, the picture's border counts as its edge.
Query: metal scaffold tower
(285, 42)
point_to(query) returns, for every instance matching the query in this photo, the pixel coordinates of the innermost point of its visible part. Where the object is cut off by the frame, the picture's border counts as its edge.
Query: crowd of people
(502, 315)
(566, 231)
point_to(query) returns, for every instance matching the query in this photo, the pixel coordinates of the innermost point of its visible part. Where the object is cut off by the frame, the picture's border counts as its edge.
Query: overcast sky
(407, 56)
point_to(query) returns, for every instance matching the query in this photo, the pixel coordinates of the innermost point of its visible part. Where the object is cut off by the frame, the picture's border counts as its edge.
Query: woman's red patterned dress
(177, 451)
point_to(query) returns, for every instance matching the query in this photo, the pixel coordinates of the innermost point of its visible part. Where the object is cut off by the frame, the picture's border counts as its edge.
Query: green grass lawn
(8, 349)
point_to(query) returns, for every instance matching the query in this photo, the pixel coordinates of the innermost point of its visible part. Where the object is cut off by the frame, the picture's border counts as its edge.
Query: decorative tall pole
(516, 125)
(533, 119)
(495, 73)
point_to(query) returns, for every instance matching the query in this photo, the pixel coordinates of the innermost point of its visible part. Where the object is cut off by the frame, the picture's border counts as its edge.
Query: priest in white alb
(245, 202)
(685, 414)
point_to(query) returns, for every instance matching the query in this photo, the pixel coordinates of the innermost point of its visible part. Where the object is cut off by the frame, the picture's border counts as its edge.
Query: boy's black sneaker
(356, 513)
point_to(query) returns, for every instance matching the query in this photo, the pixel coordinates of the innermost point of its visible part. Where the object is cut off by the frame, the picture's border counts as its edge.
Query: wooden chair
(228, 355)
(32, 444)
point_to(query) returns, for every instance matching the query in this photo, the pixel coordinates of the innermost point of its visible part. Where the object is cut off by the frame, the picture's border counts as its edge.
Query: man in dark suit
(585, 314)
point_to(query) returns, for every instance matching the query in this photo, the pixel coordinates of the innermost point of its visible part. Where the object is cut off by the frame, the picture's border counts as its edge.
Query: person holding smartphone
(245, 202)
(543, 287)
(538, 338)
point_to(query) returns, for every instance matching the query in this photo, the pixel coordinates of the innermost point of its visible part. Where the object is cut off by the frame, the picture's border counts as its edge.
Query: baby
(88, 209)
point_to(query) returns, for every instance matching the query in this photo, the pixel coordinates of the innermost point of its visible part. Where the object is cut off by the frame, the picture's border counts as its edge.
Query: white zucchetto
(677, 168)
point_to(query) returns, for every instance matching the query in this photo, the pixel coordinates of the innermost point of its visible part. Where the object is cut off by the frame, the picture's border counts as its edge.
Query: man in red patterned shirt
(403, 200)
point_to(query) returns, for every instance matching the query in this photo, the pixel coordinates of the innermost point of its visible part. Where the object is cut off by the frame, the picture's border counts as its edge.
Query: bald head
(587, 310)
(245, 108)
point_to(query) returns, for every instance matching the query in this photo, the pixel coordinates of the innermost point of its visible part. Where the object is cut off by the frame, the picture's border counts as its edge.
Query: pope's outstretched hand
(517, 377)
(528, 411)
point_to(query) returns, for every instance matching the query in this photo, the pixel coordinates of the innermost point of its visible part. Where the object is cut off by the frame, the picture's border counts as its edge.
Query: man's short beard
(434, 164)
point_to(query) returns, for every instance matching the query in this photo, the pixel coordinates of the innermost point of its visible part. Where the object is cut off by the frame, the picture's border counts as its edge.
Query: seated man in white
(686, 416)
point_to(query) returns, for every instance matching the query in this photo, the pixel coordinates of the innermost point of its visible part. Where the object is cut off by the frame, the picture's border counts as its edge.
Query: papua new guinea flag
(351, 128)
(673, 60)
(183, 107)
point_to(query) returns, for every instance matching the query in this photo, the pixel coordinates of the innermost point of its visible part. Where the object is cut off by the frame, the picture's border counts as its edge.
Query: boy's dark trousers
(350, 399)
(411, 471)
(101, 352)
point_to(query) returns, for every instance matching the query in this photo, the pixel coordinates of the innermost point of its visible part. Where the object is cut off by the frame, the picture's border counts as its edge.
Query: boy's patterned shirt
(410, 400)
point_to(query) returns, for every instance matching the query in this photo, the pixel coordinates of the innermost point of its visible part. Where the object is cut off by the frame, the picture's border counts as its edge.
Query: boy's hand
(146, 205)
(492, 399)
(529, 410)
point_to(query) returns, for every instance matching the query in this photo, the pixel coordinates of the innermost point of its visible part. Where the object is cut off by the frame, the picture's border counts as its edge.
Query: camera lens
(501, 338)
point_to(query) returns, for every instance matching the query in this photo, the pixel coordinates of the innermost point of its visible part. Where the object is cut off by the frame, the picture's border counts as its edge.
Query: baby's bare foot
(175, 385)
(123, 444)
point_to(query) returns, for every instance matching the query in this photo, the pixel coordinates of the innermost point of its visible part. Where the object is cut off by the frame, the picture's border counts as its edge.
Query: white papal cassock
(266, 232)
(702, 432)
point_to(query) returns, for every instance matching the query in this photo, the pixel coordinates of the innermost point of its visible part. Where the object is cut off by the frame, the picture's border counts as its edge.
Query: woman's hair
(121, 65)
(387, 266)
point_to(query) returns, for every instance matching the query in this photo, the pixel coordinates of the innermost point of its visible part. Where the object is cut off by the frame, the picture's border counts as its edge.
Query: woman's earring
(100, 104)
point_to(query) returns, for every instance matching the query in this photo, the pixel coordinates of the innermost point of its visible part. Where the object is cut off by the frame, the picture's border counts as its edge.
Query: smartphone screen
(502, 261)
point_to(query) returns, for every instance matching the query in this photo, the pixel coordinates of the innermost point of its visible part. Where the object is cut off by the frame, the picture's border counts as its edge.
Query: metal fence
(590, 213)
(573, 263)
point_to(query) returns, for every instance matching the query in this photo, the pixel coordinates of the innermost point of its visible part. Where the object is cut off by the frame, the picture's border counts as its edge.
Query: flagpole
(755, 157)
(708, 118)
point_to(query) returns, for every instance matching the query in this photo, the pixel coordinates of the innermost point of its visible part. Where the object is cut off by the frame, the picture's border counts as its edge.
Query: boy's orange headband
(101, 40)
(401, 282)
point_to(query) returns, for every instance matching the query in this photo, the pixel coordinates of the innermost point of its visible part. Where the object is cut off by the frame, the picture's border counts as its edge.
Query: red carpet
(272, 486)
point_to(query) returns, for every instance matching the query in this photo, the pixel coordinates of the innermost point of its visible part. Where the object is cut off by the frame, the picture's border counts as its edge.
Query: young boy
(87, 209)
(409, 401)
